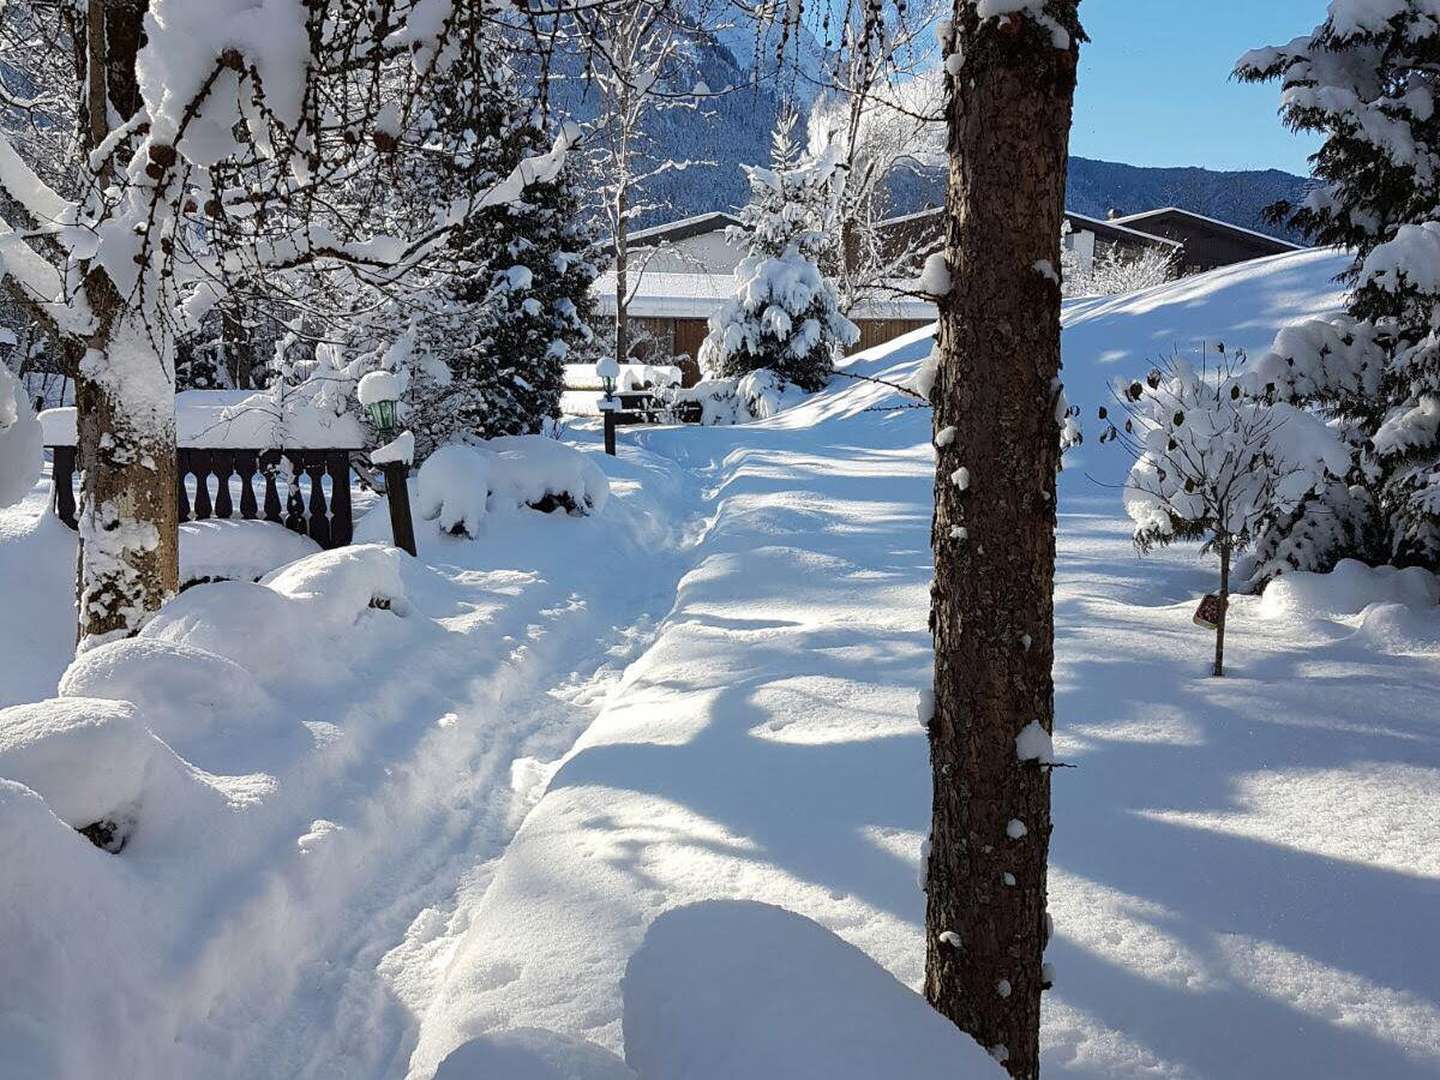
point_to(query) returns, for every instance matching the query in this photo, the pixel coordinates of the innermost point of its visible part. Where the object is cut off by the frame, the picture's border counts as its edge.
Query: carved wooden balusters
(325, 516)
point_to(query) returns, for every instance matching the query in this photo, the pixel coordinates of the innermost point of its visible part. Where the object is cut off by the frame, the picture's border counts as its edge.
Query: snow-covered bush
(20, 441)
(1213, 463)
(1364, 80)
(460, 485)
(785, 313)
(1113, 272)
(754, 396)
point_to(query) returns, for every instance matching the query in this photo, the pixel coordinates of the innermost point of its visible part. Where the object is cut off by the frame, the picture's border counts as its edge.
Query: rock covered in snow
(531, 1054)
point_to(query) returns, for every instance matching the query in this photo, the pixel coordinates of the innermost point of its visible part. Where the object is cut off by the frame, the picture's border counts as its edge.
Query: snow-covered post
(379, 393)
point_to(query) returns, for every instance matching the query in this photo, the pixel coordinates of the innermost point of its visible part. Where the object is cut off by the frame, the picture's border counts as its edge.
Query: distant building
(689, 246)
(1088, 237)
(1206, 242)
(682, 271)
(670, 314)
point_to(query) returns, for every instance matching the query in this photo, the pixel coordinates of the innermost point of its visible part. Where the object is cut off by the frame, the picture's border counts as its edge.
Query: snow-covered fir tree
(511, 302)
(785, 315)
(1364, 79)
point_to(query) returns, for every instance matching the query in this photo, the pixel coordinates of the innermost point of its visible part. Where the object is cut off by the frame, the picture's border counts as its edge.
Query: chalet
(1206, 242)
(692, 245)
(670, 315)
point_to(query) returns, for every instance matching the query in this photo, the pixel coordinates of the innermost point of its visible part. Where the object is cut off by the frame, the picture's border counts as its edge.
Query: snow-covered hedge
(459, 485)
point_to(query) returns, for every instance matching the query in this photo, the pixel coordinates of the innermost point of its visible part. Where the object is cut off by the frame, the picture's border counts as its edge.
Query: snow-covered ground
(539, 812)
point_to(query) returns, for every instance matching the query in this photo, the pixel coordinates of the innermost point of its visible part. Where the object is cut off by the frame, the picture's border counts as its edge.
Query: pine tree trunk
(992, 613)
(1226, 549)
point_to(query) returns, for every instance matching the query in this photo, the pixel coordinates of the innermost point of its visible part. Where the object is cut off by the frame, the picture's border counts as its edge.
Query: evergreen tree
(512, 304)
(785, 314)
(1364, 79)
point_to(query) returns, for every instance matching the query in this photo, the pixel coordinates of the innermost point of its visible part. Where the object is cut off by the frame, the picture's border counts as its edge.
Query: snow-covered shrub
(785, 313)
(100, 769)
(20, 441)
(757, 395)
(460, 485)
(1113, 272)
(1363, 79)
(183, 692)
(1213, 463)
(454, 489)
(305, 608)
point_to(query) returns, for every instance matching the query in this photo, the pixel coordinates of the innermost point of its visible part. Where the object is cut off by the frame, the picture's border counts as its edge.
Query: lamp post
(609, 371)
(378, 392)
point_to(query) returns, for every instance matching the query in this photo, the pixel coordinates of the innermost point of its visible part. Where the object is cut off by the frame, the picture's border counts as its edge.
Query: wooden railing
(306, 507)
(631, 407)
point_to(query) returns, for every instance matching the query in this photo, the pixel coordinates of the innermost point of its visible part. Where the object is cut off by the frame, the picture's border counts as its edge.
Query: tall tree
(1364, 80)
(992, 607)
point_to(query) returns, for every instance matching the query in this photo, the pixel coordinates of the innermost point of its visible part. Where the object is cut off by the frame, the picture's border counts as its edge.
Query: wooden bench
(631, 407)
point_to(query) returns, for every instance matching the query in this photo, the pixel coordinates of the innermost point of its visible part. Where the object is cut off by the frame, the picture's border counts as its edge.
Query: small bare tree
(1213, 462)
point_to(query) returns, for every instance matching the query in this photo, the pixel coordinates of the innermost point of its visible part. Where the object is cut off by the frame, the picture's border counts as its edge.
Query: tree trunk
(1226, 549)
(622, 283)
(125, 400)
(992, 611)
(128, 559)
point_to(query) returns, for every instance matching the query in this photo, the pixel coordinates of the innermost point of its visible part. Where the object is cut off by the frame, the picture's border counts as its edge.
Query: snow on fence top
(236, 420)
(587, 376)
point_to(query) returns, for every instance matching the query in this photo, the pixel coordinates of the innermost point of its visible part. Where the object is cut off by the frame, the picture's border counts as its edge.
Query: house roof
(1108, 230)
(683, 229)
(1137, 221)
(668, 295)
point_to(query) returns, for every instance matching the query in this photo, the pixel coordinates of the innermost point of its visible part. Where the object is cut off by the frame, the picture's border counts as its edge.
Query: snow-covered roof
(1077, 221)
(667, 295)
(1132, 219)
(697, 225)
(235, 420)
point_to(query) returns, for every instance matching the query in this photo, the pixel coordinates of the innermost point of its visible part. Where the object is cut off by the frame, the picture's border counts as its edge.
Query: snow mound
(86, 757)
(289, 621)
(459, 485)
(182, 691)
(454, 488)
(93, 761)
(236, 549)
(723, 989)
(531, 1054)
(21, 441)
(1349, 589)
(757, 395)
(59, 900)
(1401, 628)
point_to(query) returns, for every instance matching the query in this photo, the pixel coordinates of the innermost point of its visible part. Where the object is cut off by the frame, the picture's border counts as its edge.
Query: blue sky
(1155, 88)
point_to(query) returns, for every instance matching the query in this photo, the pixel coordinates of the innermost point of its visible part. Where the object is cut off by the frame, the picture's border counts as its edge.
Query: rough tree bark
(124, 395)
(992, 609)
